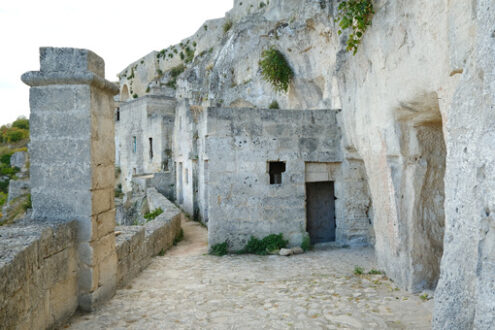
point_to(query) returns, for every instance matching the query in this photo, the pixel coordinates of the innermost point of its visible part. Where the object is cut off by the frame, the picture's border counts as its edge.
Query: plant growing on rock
(266, 245)
(152, 215)
(219, 249)
(174, 73)
(275, 69)
(274, 105)
(355, 15)
(227, 26)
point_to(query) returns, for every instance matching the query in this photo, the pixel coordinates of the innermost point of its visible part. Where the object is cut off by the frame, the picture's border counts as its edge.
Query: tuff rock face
(418, 109)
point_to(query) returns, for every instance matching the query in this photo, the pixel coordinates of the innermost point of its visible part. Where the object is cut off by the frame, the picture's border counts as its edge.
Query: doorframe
(324, 172)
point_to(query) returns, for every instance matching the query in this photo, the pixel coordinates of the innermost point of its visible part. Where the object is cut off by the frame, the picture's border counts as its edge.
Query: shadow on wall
(124, 95)
(424, 154)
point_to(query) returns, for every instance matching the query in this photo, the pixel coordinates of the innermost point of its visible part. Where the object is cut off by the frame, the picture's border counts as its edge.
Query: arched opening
(124, 94)
(423, 193)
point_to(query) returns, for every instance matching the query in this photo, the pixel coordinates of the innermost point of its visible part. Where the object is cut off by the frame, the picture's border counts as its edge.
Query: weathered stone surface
(136, 245)
(297, 250)
(19, 159)
(150, 117)
(38, 265)
(313, 291)
(17, 188)
(72, 155)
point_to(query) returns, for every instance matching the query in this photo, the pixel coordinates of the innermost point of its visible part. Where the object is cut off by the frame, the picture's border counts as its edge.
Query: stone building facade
(417, 112)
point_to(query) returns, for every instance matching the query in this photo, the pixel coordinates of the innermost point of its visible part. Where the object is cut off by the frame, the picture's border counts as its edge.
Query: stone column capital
(70, 66)
(38, 78)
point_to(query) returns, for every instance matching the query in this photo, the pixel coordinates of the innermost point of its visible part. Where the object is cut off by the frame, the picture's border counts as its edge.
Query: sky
(119, 31)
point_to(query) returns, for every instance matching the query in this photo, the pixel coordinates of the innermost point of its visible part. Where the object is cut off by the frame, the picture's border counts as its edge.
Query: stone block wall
(38, 267)
(144, 118)
(136, 245)
(238, 145)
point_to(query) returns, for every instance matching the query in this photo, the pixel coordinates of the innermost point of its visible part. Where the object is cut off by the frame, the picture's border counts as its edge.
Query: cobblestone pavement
(316, 290)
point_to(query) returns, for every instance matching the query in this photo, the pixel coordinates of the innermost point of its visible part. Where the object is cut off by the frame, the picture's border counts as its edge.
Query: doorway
(320, 211)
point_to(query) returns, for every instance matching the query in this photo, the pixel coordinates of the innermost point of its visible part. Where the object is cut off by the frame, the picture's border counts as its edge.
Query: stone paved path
(187, 289)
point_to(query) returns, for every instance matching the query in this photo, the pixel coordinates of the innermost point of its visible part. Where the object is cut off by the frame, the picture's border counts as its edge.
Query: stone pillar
(72, 153)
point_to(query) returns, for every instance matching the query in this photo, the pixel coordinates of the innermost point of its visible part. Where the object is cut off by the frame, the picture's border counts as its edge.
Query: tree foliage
(355, 15)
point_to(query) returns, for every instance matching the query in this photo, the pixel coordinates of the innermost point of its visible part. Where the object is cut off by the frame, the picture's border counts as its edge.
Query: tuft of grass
(358, 270)
(179, 237)
(425, 297)
(219, 249)
(266, 245)
(152, 215)
(375, 272)
(227, 26)
(275, 69)
(27, 204)
(162, 252)
(274, 105)
(175, 72)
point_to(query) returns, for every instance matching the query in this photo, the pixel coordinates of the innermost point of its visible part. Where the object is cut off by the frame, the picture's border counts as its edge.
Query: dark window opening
(134, 144)
(151, 148)
(276, 169)
(118, 114)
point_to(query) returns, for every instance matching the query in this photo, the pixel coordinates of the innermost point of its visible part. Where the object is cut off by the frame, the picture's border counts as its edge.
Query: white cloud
(119, 31)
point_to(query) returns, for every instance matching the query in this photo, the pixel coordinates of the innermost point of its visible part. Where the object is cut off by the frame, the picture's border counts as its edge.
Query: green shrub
(152, 215)
(189, 55)
(182, 56)
(275, 69)
(374, 272)
(174, 73)
(274, 105)
(205, 27)
(355, 15)
(5, 158)
(15, 134)
(262, 4)
(21, 123)
(3, 198)
(27, 204)
(358, 270)
(219, 249)
(227, 26)
(306, 244)
(266, 245)
(135, 96)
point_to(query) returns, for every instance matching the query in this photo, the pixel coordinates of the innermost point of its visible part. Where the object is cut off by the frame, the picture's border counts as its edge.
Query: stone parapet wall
(38, 267)
(136, 245)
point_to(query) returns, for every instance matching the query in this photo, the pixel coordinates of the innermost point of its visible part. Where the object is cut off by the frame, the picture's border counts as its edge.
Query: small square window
(275, 169)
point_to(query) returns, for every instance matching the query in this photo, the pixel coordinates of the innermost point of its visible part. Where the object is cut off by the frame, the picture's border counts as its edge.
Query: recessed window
(275, 169)
(151, 148)
(134, 144)
(118, 114)
(187, 176)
